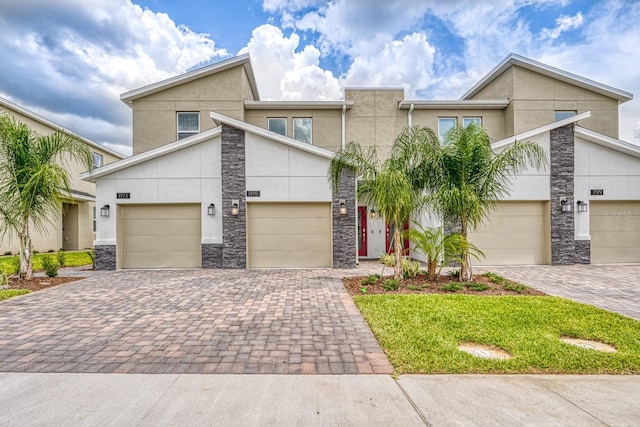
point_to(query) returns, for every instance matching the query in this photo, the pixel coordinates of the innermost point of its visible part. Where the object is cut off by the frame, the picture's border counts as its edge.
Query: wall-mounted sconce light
(582, 206)
(373, 213)
(211, 209)
(104, 211)
(565, 206)
(342, 206)
(235, 207)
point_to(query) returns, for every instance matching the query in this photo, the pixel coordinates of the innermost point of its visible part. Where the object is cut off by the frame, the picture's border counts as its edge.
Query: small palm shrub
(50, 265)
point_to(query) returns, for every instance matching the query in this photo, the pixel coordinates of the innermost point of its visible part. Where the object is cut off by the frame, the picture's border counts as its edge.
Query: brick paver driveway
(199, 321)
(612, 287)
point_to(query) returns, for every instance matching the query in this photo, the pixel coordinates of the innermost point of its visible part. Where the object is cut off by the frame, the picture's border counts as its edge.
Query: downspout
(410, 116)
(344, 126)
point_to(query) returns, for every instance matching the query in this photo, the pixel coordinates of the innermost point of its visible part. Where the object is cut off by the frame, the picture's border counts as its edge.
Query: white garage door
(160, 236)
(289, 235)
(615, 232)
(515, 233)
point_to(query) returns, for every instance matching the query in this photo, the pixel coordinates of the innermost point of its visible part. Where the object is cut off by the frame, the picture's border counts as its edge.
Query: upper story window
(445, 124)
(277, 125)
(466, 121)
(97, 159)
(302, 129)
(559, 115)
(188, 124)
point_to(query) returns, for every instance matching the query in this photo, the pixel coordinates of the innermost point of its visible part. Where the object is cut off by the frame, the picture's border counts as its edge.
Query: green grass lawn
(71, 259)
(420, 334)
(8, 293)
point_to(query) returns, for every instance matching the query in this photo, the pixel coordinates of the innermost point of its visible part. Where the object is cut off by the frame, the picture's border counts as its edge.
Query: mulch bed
(420, 285)
(40, 283)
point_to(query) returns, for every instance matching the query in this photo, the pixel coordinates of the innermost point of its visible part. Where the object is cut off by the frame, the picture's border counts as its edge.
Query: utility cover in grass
(483, 351)
(588, 344)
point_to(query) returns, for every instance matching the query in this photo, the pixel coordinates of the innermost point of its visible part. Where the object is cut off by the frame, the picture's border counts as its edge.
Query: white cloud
(73, 58)
(283, 73)
(563, 24)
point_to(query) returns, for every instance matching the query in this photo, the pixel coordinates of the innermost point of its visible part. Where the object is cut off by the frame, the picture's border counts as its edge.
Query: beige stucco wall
(326, 124)
(51, 236)
(155, 118)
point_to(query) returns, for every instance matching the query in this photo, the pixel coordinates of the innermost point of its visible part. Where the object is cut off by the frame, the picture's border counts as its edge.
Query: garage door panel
(514, 233)
(289, 259)
(160, 236)
(141, 227)
(284, 226)
(615, 231)
(289, 235)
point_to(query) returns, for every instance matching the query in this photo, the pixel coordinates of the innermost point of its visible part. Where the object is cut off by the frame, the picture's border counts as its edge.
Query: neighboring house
(205, 140)
(74, 229)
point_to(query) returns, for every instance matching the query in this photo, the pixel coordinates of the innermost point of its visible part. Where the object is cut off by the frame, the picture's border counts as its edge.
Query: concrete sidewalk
(318, 400)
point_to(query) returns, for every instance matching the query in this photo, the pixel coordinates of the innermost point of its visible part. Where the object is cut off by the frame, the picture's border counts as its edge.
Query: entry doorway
(70, 227)
(389, 239)
(362, 231)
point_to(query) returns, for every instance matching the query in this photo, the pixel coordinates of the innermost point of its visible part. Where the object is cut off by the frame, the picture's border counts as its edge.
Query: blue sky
(70, 60)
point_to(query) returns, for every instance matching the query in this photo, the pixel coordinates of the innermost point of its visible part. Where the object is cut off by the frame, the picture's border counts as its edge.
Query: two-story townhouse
(223, 179)
(75, 227)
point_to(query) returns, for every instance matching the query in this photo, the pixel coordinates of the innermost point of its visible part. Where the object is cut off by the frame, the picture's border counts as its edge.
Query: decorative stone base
(212, 255)
(583, 252)
(105, 257)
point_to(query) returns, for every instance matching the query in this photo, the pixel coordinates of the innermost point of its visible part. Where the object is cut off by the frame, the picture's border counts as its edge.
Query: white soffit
(198, 73)
(151, 154)
(466, 104)
(38, 118)
(547, 70)
(537, 131)
(221, 119)
(297, 105)
(607, 141)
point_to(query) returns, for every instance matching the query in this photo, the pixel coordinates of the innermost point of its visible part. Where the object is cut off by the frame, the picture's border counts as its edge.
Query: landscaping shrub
(61, 259)
(390, 285)
(50, 266)
(452, 287)
(370, 280)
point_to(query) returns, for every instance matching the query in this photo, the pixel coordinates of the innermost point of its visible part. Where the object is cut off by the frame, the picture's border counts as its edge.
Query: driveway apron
(195, 321)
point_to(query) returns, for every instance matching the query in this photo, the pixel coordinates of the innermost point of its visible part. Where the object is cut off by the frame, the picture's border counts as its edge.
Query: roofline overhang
(606, 141)
(38, 118)
(547, 70)
(244, 60)
(297, 105)
(472, 104)
(94, 174)
(220, 119)
(537, 131)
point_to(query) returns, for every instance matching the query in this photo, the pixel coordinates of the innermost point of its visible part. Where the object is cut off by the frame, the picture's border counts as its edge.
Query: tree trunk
(26, 249)
(465, 260)
(397, 238)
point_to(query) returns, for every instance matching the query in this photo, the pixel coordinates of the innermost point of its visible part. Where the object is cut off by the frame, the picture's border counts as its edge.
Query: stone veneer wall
(344, 226)
(234, 228)
(565, 250)
(105, 257)
(212, 255)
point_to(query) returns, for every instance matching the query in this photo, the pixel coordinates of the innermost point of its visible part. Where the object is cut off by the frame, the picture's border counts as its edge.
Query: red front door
(389, 236)
(362, 231)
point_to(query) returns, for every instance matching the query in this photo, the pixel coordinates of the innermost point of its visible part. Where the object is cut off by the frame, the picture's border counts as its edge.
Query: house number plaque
(123, 195)
(598, 192)
(253, 194)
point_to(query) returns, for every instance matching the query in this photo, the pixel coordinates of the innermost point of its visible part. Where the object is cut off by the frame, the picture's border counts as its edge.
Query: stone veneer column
(565, 250)
(234, 227)
(105, 257)
(344, 226)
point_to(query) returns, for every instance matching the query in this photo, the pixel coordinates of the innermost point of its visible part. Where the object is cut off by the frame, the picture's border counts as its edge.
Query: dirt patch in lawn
(481, 285)
(40, 283)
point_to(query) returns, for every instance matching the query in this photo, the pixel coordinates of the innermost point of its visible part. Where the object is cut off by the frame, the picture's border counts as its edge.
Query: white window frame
(565, 114)
(274, 119)
(97, 159)
(186, 133)
(466, 121)
(440, 134)
(94, 219)
(310, 129)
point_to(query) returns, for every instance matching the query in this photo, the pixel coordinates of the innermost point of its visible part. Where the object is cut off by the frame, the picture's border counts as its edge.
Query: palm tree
(388, 185)
(33, 181)
(465, 178)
